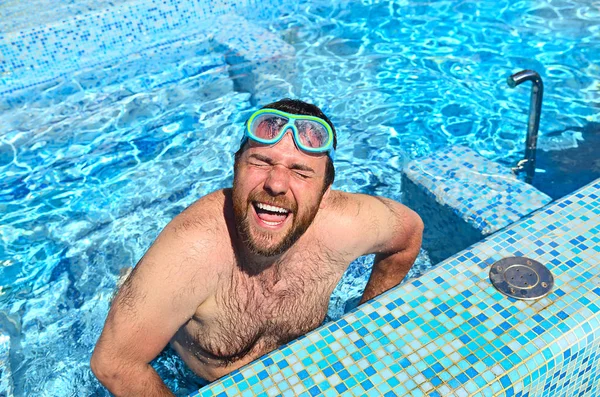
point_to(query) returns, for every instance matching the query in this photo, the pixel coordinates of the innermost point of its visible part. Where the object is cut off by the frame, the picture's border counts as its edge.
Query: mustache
(277, 201)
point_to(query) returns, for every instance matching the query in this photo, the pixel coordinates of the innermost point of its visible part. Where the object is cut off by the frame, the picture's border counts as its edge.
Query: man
(244, 270)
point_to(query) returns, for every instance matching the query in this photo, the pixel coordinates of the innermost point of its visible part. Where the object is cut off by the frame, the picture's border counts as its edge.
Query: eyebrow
(294, 166)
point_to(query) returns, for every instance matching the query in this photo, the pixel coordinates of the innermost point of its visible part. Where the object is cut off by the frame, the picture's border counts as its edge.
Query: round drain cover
(521, 278)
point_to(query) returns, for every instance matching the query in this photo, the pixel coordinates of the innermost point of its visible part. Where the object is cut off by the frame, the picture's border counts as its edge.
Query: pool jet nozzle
(535, 109)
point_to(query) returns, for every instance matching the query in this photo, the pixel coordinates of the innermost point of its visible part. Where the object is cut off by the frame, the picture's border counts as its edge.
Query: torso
(250, 315)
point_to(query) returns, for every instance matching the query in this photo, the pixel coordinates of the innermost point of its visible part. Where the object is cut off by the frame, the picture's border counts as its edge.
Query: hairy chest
(254, 315)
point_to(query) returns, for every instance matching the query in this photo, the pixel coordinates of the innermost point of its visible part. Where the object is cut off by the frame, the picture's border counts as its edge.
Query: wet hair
(296, 106)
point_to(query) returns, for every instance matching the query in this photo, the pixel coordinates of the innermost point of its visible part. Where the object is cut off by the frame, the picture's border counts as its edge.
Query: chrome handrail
(535, 109)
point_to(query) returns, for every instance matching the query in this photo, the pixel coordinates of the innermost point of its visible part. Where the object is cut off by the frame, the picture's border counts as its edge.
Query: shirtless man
(244, 270)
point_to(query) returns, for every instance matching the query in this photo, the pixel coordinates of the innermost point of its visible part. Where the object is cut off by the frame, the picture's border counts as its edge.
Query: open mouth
(270, 215)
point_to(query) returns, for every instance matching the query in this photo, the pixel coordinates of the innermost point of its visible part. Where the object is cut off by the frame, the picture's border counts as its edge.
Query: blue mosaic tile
(489, 198)
(34, 55)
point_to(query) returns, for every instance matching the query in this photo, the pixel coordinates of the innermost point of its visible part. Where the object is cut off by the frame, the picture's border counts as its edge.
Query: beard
(264, 242)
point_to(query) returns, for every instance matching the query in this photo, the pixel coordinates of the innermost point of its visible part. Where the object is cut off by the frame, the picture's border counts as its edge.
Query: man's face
(277, 191)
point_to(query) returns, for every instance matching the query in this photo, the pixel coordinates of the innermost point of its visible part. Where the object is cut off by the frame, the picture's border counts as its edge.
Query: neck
(255, 264)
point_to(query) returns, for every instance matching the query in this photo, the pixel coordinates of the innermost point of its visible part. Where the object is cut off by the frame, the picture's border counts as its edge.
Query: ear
(324, 199)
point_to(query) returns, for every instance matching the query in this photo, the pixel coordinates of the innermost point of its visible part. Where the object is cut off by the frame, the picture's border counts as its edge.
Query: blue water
(93, 165)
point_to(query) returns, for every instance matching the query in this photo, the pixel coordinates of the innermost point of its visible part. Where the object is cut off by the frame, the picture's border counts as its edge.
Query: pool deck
(451, 333)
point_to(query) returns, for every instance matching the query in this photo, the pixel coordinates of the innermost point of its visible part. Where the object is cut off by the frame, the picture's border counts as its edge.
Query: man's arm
(160, 296)
(396, 242)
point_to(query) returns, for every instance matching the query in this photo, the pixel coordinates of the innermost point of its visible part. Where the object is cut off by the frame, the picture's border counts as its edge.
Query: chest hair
(257, 313)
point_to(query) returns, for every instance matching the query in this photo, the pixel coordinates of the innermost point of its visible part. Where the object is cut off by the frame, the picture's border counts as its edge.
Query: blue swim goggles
(311, 134)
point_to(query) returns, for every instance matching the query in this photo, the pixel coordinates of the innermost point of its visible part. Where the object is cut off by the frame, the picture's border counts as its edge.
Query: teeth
(271, 208)
(273, 223)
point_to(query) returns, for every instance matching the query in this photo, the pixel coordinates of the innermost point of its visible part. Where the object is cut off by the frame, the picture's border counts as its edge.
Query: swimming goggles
(311, 134)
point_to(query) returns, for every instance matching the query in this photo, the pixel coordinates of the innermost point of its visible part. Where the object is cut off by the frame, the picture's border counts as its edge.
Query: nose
(277, 182)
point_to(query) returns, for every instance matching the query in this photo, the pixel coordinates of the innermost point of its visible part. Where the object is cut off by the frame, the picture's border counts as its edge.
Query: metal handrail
(533, 125)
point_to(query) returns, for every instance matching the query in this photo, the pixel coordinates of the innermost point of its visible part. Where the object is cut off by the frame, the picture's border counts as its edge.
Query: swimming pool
(87, 160)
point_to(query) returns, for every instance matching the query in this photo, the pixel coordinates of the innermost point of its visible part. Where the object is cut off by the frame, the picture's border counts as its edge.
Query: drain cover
(521, 278)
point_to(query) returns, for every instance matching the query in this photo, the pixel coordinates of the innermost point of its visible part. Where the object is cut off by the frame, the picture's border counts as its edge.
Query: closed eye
(302, 174)
(302, 168)
(302, 171)
(261, 161)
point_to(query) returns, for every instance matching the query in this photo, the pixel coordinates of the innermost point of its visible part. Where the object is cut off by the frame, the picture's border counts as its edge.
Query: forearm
(131, 380)
(388, 271)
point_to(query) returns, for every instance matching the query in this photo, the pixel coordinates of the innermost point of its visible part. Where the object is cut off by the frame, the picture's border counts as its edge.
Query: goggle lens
(268, 126)
(311, 134)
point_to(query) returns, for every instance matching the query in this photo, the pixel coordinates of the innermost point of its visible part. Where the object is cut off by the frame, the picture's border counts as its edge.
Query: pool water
(93, 165)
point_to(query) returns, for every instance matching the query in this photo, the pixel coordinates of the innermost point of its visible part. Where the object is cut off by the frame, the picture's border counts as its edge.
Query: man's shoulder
(358, 213)
(342, 209)
(341, 226)
(343, 204)
(366, 223)
(352, 204)
(338, 200)
(206, 216)
(196, 236)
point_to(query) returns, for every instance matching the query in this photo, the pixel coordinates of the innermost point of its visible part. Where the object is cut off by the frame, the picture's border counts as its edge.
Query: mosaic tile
(43, 52)
(489, 198)
(450, 333)
(462, 197)
(38, 54)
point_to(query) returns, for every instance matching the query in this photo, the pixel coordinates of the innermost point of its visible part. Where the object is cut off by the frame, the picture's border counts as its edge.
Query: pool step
(260, 62)
(463, 197)
(30, 55)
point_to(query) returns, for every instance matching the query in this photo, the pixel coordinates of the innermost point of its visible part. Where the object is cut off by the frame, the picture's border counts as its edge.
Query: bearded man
(244, 270)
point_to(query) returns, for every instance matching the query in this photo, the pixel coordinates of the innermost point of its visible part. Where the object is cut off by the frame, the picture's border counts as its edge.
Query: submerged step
(463, 197)
(261, 62)
(33, 55)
